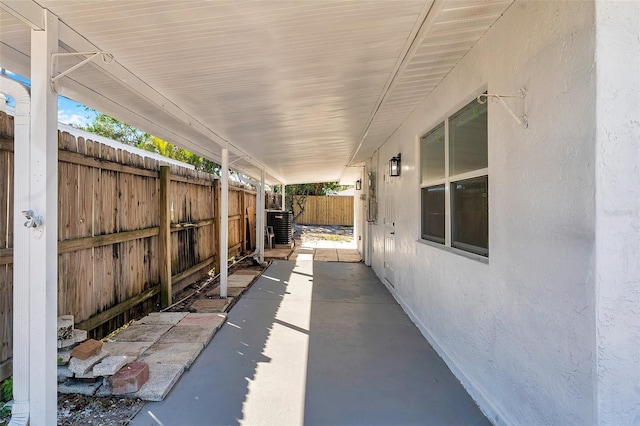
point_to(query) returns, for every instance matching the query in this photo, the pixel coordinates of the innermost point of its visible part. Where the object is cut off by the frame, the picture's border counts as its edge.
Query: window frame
(448, 181)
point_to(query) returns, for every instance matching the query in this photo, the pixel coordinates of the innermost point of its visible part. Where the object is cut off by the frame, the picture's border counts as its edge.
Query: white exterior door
(389, 232)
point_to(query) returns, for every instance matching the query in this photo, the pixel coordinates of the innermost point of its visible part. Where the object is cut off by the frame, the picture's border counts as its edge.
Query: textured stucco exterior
(519, 331)
(617, 273)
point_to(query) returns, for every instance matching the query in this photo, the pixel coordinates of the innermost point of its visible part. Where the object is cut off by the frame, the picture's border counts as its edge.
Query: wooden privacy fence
(325, 210)
(119, 216)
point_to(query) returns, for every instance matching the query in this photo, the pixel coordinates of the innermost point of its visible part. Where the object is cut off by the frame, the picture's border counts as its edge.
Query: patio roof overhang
(290, 92)
(303, 90)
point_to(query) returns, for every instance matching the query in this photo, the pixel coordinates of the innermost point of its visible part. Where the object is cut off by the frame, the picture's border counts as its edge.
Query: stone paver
(326, 255)
(110, 365)
(171, 353)
(74, 386)
(132, 349)
(167, 342)
(159, 318)
(142, 333)
(188, 334)
(83, 366)
(277, 253)
(215, 320)
(239, 280)
(87, 349)
(211, 305)
(64, 373)
(130, 378)
(64, 357)
(231, 292)
(105, 389)
(162, 377)
(346, 255)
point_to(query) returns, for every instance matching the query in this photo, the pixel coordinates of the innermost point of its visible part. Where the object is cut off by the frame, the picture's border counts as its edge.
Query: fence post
(165, 236)
(243, 221)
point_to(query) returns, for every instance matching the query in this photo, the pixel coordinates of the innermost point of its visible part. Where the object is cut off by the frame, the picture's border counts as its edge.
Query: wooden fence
(324, 210)
(111, 232)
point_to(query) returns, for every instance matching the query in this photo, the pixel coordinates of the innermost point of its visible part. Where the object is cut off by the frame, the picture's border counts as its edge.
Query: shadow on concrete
(214, 391)
(316, 343)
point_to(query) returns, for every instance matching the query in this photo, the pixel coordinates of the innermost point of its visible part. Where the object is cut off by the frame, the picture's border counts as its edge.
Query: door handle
(392, 233)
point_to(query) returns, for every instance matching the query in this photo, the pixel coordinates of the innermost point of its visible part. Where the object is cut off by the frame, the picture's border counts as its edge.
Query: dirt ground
(305, 233)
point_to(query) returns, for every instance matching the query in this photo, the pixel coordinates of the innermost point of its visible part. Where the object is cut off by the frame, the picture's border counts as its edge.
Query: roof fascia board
(26, 11)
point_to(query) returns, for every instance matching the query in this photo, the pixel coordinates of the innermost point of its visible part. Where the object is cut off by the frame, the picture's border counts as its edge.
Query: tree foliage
(111, 128)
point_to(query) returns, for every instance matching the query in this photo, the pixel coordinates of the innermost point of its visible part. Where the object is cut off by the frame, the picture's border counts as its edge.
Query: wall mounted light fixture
(394, 165)
(358, 185)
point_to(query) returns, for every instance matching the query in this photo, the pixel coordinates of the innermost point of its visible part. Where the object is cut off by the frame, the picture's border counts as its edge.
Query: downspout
(21, 242)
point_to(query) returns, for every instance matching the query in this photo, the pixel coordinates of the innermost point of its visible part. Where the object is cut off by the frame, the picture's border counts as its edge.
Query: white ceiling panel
(292, 86)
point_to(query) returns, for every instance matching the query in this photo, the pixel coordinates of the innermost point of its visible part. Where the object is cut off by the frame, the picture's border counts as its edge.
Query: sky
(69, 111)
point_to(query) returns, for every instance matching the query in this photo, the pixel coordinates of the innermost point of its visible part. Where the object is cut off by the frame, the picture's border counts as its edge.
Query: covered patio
(285, 92)
(496, 147)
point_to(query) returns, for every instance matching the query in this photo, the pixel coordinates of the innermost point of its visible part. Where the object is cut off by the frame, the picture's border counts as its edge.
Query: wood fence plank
(110, 313)
(326, 210)
(109, 230)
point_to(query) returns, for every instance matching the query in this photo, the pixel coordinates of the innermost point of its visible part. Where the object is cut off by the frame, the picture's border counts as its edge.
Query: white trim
(469, 254)
(260, 219)
(224, 222)
(469, 175)
(43, 200)
(447, 180)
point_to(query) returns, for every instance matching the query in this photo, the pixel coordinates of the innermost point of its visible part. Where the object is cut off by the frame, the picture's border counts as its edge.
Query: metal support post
(224, 223)
(43, 201)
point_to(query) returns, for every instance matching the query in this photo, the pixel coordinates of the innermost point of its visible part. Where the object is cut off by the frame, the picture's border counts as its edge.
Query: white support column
(260, 222)
(43, 166)
(21, 241)
(224, 223)
(284, 206)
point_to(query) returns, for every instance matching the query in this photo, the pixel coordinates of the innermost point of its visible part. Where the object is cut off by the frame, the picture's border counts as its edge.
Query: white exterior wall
(618, 212)
(518, 331)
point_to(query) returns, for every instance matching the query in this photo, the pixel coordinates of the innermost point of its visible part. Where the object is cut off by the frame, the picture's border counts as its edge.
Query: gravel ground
(79, 410)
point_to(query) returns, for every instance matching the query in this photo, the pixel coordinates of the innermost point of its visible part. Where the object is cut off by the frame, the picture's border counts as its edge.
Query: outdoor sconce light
(394, 166)
(358, 185)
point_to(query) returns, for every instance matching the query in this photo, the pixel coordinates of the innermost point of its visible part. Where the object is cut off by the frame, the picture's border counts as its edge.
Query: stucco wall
(618, 211)
(518, 331)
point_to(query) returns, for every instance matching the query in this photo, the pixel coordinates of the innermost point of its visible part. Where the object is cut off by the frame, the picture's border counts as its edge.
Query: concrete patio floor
(316, 343)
